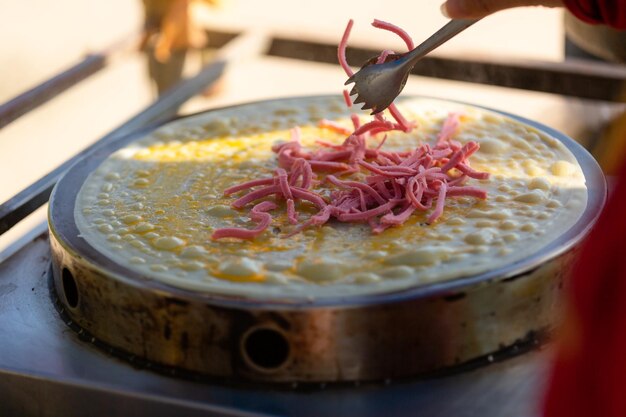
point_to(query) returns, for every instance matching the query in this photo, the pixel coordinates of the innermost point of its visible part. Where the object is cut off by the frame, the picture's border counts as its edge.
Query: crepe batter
(153, 205)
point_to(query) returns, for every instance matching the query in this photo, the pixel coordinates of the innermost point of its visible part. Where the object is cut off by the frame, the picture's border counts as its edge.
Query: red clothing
(589, 372)
(588, 378)
(608, 12)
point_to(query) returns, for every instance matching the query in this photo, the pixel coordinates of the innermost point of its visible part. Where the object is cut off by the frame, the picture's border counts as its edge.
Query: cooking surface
(187, 208)
(49, 362)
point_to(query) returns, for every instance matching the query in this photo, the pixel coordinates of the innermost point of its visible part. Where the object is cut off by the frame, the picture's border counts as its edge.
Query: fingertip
(455, 9)
(444, 10)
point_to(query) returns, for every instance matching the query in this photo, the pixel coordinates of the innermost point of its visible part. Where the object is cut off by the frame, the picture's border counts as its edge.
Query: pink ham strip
(390, 157)
(437, 176)
(328, 166)
(399, 170)
(416, 157)
(382, 142)
(297, 170)
(247, 185)
(325, 144)
(383, 56)
(389, 171)
(303, 169)
(465, 169)
(318, 219)
(298, 193)
(379, 24)
(365, 215)
(295, 134)
(414, 194)
(449, 128)
(467, 192)
(307, 176)
(381, 187)
(460, 180)
(439, 153)
(377, 228)
(310, 196)
(281, 174)
(362, 200)
(404, 125)
(441, 200)
(359, 185)
(347, 99)
(322, 216)
(292, 216)
(461, 155)
(255, 195)
(397, 189)
(398, 219)
(332, 156)
(374, 124)
(355, 121)
(257, 214)
(329, 124)
(341, 50)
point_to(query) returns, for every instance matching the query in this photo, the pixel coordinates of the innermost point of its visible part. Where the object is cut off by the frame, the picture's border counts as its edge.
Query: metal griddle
(50, 369)
(421, 330)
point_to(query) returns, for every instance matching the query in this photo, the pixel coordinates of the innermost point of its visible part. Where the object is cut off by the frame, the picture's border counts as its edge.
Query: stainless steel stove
(50, 367)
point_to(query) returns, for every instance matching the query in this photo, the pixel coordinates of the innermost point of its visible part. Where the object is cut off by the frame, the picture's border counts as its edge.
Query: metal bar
(37, 194)
(232, 48)
(44, 92)
(596, 81)
(219, 38)
(70, 398)
(91, 64)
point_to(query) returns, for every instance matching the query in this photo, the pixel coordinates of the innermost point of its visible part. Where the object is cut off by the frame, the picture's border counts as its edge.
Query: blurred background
(41, 38)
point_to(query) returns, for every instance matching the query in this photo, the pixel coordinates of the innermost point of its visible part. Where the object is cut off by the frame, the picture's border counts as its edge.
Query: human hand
(465, 9)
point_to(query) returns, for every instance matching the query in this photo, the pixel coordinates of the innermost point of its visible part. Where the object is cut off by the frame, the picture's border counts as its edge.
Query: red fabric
(608, 12)
(589, 373)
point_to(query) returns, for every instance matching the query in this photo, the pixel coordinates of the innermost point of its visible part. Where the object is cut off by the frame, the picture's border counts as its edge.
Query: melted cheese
(153, 205)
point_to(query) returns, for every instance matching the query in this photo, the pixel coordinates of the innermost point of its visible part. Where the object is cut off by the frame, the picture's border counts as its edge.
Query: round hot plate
(398, 331)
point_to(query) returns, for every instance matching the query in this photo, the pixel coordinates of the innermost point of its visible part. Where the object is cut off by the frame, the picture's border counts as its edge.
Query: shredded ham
(449, 128)
(403, 124)
(341, 50)
(383, 56)
(390, 187)
(258, 214)
(334, 126)
(347, 99)
(395, 29)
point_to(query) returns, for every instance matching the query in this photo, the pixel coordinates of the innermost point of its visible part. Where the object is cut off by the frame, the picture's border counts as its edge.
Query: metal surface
(47, 371)
(91, 64)
(232, 47)
(589, 80)
(35, 195)
(340, 339)
(378, 84)
(35, 97)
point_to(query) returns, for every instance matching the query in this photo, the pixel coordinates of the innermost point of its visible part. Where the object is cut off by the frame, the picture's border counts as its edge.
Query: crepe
(153, 205)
